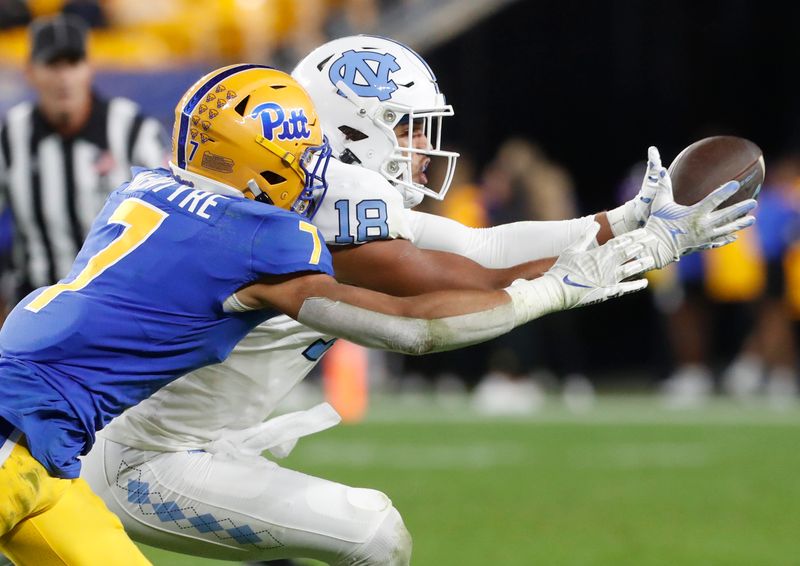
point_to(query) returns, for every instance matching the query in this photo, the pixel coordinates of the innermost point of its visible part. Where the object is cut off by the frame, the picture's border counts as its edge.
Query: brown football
(711, 162)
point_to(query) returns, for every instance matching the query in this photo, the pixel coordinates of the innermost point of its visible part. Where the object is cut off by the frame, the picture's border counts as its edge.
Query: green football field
(628, 483)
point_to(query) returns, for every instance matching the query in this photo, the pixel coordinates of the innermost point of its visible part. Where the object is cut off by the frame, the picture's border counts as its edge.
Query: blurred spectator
(313, 22)
(464, 201)
(713, 314)
(63, 153)
(733, 319)
(276, 32)
(356, 16)
(523, 184)
(451, 372)
(768, 361)
(14, 13)
(90, 11)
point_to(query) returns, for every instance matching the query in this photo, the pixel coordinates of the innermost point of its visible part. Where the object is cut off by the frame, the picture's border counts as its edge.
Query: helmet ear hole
(240, 108)
(273, 178)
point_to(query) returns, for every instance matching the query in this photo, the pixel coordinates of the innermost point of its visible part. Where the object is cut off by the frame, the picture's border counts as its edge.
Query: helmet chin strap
(257, 193)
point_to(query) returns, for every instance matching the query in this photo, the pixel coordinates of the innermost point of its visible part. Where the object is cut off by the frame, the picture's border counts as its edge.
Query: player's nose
(421, 141)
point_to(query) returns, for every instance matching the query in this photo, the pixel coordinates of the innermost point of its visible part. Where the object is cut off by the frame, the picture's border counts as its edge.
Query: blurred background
(556, 103)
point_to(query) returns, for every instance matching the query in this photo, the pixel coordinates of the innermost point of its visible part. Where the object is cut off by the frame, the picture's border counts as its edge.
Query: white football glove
(679, 230)
(634, 213)
(583, 276)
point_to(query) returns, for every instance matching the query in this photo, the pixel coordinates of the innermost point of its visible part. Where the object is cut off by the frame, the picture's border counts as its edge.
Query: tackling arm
(446, 320)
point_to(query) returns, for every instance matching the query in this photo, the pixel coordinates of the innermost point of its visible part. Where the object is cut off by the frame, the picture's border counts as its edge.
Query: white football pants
(243, 508)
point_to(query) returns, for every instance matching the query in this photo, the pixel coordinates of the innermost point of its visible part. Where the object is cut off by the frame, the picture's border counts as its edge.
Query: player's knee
(389, 546)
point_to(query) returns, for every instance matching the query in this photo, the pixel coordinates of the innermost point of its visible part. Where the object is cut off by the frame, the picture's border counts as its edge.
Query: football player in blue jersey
(179, 266)
(183, 469)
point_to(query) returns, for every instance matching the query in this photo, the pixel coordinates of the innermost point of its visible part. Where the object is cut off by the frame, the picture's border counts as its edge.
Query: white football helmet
(363, 87)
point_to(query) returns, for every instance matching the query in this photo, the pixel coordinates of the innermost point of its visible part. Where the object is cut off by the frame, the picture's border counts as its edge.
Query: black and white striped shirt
(56, 186)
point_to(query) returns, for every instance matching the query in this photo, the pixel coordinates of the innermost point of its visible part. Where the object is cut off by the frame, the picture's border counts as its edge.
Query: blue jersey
(142, 305)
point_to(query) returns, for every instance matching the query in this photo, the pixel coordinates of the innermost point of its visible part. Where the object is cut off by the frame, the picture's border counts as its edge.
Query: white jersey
(200, 409)
(360, 206)
(203, 407)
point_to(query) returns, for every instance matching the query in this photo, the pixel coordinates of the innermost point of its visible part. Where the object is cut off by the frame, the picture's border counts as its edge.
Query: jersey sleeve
(360, 206)
(499, 246)
(287, 243)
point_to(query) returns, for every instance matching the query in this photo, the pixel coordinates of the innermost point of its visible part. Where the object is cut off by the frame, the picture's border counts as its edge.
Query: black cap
(59, 37)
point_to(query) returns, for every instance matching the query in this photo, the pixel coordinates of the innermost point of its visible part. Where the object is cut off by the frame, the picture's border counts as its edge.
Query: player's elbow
(412, 337)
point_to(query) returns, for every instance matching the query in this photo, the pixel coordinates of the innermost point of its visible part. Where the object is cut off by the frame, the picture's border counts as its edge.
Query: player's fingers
(635, 267)
(732, 227)
(630, 245)
(628, 251)
(730, 213)
(653, 159)
(723, 241)
(662, 194)
(719, 195)
(653, 167)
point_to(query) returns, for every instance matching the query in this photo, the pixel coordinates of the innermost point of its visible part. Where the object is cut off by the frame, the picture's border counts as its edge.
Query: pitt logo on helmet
(265, 141)
(273, 116)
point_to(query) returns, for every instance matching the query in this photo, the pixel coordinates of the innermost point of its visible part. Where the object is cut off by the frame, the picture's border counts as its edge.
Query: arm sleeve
(413, 336)
(285, 242)
(529, 300)
(498, 247)
(151, 147)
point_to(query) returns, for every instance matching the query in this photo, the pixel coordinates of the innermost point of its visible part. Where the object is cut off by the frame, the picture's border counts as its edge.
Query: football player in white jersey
(184, 470)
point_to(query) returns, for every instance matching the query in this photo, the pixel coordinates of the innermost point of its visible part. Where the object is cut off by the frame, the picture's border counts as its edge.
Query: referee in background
(61, 155)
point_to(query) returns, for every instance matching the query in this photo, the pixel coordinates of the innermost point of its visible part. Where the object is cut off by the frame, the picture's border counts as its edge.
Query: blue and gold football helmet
(253, 129)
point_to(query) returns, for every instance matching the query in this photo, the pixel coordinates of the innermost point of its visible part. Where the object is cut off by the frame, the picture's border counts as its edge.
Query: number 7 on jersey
(140, 220)
(317, 250)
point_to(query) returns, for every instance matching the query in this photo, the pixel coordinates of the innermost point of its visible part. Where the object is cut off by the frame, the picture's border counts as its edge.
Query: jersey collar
(204, 183)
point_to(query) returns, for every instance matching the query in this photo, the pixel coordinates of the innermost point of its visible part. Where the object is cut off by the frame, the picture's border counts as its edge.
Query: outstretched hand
(634, 213)
(588, 276)
(679, 230)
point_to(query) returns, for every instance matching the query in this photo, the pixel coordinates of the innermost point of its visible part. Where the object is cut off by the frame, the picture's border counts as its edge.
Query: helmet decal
(198, 96)
(273, 116)
(365, 88)
(266, 143)
(366, 73)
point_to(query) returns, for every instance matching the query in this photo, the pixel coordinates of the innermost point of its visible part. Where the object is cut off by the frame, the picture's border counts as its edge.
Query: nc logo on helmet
(366, 73)
(273, 117)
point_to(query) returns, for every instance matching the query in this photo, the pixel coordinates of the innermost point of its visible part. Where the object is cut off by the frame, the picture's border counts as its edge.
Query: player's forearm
(501, 278)
(431, 322)
(501, 246)
(434, 322)
(399, 268)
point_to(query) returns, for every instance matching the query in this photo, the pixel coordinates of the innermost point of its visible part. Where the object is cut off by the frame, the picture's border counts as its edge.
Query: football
(708, 163)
